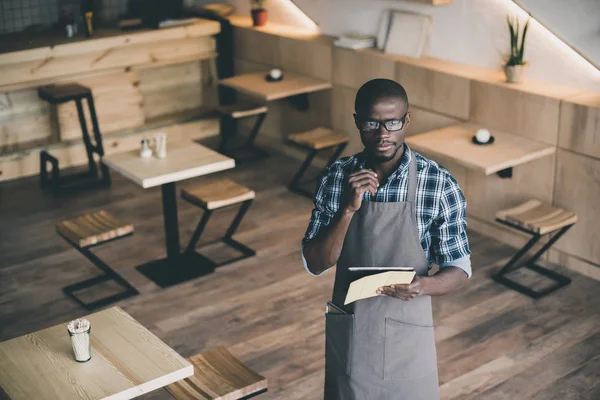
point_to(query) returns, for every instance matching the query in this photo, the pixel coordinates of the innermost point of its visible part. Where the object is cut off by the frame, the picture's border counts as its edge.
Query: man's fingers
(363, 187)
(361, 181)
(363, 172)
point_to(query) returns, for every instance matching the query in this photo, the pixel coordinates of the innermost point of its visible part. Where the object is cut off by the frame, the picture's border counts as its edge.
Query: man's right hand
(359, 182)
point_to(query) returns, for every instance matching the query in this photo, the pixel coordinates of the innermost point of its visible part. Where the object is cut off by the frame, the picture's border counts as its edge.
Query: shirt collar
(402, 167)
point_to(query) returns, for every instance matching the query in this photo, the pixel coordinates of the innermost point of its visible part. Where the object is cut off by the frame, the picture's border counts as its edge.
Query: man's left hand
(405, 292)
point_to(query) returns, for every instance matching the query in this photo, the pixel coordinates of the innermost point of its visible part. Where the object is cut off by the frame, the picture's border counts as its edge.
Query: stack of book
(355, 41)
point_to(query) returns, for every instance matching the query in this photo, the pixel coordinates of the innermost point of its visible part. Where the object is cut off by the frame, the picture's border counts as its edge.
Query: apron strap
(412, 179)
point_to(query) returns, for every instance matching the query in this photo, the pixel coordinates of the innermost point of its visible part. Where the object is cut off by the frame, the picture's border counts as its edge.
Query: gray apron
(384, 348)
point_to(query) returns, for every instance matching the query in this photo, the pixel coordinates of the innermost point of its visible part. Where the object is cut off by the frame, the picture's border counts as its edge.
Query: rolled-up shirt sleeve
(323, 212)
(449, 242)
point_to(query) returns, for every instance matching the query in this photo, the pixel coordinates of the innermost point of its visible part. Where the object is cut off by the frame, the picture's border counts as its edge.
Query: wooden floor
(492, 343)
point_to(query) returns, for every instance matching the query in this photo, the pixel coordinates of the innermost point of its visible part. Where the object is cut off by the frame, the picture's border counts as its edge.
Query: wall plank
(253, 45)
(309, 57)
(515, 111)
(578, 190)
(353, 68)
(580, 124)
(488, 194)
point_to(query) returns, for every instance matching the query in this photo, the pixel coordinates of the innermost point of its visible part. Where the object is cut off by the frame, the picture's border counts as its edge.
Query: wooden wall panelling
(118, 104)
(65, 63)
(423, 120)
(308, 57)
(73, 153)
(580, 124)
(488, 194)
(353, 68)
(24, 118)
(529, 109)
(578, 189)
(318, 114)
(342, 108)
(435, 90)
(172, 89)
(253, 45)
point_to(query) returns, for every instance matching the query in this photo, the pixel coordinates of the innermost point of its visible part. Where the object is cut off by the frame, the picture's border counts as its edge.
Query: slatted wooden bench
(90, 230)
(314, 141)
(218, 375)
(229, 117)
(213, 196)
(536, 219)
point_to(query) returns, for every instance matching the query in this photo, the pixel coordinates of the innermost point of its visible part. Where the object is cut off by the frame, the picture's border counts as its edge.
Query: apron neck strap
(412, 179)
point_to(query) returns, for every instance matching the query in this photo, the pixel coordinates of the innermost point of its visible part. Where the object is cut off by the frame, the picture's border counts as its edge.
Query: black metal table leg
(177, 267)
(169, 203)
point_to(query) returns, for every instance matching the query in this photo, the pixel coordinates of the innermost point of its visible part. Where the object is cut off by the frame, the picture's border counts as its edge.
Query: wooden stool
(216, 195)
(229, 117)
(315, 140)
(218, 376)
(537, 219)
(90, 230)
(58, 94)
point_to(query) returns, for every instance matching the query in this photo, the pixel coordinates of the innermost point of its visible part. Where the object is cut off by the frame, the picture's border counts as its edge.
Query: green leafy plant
(516, 51)
(258, 4)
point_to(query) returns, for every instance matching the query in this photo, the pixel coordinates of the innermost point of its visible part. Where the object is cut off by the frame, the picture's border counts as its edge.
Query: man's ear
(407, 119)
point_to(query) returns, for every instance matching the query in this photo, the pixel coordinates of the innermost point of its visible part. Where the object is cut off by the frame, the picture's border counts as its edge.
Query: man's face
(382, 144)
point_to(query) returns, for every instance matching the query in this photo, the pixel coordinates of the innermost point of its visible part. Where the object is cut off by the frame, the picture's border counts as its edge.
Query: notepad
(367, 287)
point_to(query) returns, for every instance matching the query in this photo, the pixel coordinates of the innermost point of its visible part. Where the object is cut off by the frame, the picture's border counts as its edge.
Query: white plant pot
(514, 73)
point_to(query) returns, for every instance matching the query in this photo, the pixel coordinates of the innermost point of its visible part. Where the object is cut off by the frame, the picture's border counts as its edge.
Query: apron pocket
(339, 333)
(409, 350)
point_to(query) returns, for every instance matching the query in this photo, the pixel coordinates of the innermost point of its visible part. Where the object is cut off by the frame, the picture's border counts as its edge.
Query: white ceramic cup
(482, 135)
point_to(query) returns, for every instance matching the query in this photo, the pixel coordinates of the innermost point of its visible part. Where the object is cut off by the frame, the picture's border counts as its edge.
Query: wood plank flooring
(492, 343)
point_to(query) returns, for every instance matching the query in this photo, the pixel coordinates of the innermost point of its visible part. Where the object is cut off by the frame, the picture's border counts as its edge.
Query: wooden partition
(444, 93)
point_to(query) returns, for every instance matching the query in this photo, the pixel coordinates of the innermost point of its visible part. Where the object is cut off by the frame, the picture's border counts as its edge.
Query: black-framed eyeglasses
(372, 125)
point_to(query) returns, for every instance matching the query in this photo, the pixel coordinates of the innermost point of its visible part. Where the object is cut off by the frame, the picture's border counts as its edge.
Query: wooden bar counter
(138, 79)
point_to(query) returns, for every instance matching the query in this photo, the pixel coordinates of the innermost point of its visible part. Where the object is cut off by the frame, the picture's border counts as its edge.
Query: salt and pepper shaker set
(160, 146)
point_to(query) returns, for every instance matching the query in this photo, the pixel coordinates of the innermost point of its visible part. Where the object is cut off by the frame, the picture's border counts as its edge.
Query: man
(386, 207)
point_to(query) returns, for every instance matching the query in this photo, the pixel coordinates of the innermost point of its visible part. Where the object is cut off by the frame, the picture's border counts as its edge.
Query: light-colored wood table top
(185, 160)
(454, 143)
(127, 361)
(255, 85)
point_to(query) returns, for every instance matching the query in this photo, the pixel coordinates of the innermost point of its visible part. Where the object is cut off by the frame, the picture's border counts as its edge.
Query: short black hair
(376, 89)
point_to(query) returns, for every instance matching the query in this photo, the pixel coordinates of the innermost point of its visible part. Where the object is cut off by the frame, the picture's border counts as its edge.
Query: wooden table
(127, 361)
(254, 84)
(184, 160)
(454, 143)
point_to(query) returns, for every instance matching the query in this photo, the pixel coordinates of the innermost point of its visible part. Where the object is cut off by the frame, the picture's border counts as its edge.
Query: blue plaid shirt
(441, 206)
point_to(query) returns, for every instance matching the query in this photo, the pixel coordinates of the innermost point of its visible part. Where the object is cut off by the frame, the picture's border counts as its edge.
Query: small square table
(185, 159)
(127, 361)
(454, 143)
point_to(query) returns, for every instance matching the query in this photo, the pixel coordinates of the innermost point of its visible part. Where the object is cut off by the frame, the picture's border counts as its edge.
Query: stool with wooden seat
(58, 94)
(230, 115)
(315, 141)
(90, 230)
(218, 376)
(537, 219)
(217, 195)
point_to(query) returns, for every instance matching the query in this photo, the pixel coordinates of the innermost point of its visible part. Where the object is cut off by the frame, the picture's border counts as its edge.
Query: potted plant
(515, 66)
(259, 12)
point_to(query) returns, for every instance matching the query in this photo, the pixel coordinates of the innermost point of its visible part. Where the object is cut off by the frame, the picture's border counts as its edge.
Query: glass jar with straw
(79, 331)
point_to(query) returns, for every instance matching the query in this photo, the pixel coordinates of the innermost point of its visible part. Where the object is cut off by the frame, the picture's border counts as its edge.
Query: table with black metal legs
(184, 160)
